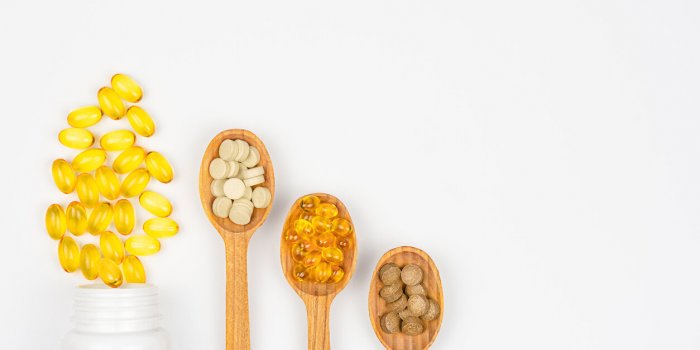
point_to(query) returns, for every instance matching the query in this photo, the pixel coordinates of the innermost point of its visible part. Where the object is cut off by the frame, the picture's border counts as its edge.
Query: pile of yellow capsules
(99, 189)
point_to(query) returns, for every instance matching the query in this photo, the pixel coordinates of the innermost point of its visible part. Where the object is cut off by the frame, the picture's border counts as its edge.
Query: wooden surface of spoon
(403, 256)
(318, 296)
(236, 237)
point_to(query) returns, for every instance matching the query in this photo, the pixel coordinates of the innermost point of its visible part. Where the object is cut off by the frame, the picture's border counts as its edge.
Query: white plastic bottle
(116, 319)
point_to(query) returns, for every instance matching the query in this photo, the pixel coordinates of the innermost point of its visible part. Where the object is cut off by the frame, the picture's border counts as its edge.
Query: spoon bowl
(403, 256)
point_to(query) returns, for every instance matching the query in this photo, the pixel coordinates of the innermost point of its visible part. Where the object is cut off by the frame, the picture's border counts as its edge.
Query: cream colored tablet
(241, 171)
(222, 207)
(253, 172)
(248, 193)
(234, 188)
(218, 168)
(217, 187)
(253, 158)
(254, 181)
(243, 150)
(239, 215)
(261, 197)
(228, 150)
(246, 203)
(233, 167)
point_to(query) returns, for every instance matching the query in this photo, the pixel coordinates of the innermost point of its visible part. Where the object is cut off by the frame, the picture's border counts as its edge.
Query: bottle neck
(131, 308)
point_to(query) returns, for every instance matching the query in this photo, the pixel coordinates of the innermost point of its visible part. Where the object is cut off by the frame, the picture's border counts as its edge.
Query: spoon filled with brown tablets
(236, 187)
(318, 251)
(405, 299)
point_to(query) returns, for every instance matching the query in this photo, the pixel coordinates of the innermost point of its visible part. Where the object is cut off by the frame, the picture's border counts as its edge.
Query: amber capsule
(124, 216)
(100, 218)
(117, 140)
(155, 203)
(89, 261)
(107, 182)
(112, 247)
(344, 243)
(341, 227)
(56, 221)
(321, 272)
(309, 203)
(126, 88)
(161, 227)
(142, 245)
(327, 210)
(135, 183)
(305, 215)
(87, 190)
(321, 224)
(133, 270)
(332, 255)
(110, 273)
(110, 103)
(76, 218)
(300, 272)
(291, 236)
(129, 160)
(159, 167)
(325, 239)
(312, 258)
(63, 176)
(89, 160)
(140, 121)
(84, 116)
(299, 251)
(337, 274)
(304, 228)
(77, 138)
(68, 254)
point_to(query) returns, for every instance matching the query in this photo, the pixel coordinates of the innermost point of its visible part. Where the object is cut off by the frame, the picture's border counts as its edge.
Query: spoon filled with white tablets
(236, 187)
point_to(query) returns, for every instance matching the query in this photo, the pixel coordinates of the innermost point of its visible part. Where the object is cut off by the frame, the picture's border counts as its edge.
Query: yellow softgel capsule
(142, 245)
(344, 243)
(84, 116)
(159, 167)
(117, 140)
(325, 239)
(56, 224)
(291, 236)
(112, 247)
(63, 175)
(89, 160)
(100, 218)
(68, 254)
(320, 273)
(124, 216)
(337, 274)
(87, 190)
(110, 103)
(161, 227)
(304, 228)
(107, 182)
(312, 258)
(76, 218)
(309, 203)
(327, 210)
(341, 227)
(332, 255)
(299, 251)
(126, 88)
(110, 273)
(135, 183)
(300, 272)
(321, 224)
(140, 121)
(77, 138)
(129, 160)
(155, 203)
(89, 261)
(133, 270)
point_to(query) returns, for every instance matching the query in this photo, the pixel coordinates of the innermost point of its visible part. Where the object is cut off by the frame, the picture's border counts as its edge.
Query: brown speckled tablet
(412, 326)
(391, 322)
(390, 274)
(417, 289)
(411, 275)
(433, 311)
(391, 292)
(417, 305)
(399, 304)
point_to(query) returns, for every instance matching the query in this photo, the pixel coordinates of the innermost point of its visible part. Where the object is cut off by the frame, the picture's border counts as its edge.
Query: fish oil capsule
(304, 228)
(291, 236)
(325, 239)
(55, 221)
(89, 160)
(135, 183)
(124, 216)
(84, 116)
(63, 176)
(133, 270)
(321, 224)
(89, 260)
(337, 274)
(327, 210)
(77, 138)
(110, 273)
(299, 251)
(107, 182)
(341, 227)
(306, 216)
(100, 218)
(312, 258)
(320, 273)
(155, 203)
(160, 227)
(309, 203)
(140, 121)
(129, 160)
(88, 193)
(117, 140)
(126, 88)
(344, 243)
(112, 247)
(68, 254)
(76, 218)
(142, 245)
(159, 167)
(300, 272)
(110, 103)
(332, 255)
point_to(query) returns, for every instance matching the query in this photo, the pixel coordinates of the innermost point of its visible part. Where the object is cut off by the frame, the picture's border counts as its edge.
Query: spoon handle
(237, 326)
(318, 316)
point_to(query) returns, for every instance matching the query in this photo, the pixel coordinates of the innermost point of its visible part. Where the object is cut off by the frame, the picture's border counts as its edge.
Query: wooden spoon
(403, 256)
(235, 237)
(318, 296)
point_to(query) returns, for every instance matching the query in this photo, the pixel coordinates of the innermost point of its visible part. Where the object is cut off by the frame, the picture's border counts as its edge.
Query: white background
(544, 153)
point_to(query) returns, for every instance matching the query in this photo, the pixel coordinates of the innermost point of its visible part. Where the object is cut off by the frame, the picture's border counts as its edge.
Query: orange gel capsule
(63, 175)
(100, 218)
(56, 224)
(89, 160)
(126, 88)
(112, 247)
(327, 210)
(124, 216)
(89, 260)
(76, 218)
(107, 182)
(135, 183)
(84, 116)
(87, 190)
(140, 121)
(133, 270)
(129, 160)
(110, 273)
(110, 103)
(68, 254)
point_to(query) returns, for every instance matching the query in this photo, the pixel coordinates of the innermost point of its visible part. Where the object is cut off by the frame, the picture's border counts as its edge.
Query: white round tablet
(243, 150)
(246, 203)
(234, 188)
(239, 216)
(248, 193)
(217, 187)
(261, 197)
(228, 150)
(253, 172)
(253, 158)
(254, 181)
(221, 207)
(218, 168)
(233, 167)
